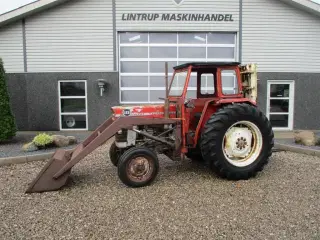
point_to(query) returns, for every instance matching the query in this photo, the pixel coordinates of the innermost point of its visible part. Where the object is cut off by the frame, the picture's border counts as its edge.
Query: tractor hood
(152, 111)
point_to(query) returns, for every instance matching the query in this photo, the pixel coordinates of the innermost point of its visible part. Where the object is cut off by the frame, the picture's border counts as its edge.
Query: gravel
(13, 148)
(185, 202)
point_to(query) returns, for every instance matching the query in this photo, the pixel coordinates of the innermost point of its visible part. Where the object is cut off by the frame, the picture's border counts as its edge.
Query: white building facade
(55, 52)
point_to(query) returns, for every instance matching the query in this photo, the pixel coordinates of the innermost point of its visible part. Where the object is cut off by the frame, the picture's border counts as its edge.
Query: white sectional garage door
(143, 55)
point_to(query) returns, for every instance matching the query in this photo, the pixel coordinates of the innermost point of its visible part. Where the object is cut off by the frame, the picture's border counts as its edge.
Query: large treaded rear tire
(213, 134)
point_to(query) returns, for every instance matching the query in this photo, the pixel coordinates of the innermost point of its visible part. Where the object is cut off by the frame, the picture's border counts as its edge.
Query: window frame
(238, 81)
(199, 81)
(170, 87)
(237, 73)
(290, 112)
(73, 113)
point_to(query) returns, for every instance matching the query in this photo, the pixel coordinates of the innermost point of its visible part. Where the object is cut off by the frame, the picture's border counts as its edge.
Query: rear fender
(210, 108)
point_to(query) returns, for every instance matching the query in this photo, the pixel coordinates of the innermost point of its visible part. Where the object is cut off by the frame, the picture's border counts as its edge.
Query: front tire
(237, 152)
(138, 167)
(114, 154)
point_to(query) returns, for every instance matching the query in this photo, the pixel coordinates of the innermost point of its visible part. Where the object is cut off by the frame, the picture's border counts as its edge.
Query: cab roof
(206, 64)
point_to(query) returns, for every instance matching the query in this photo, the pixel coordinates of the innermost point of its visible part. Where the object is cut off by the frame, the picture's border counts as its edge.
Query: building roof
(306, 5)
(27, 10)
(41, 5)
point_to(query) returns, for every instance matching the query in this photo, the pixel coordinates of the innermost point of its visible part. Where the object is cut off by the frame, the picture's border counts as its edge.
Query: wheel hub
(238, 142)
(241, 143)
(139, 167)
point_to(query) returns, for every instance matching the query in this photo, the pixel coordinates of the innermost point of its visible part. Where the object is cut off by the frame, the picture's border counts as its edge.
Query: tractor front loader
(209, 114)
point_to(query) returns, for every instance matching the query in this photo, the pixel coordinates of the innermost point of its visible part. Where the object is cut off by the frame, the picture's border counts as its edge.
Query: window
(192, 87)
(207, 84)
(178, 83)
(280, 100)
(73, 105)
(143, 56)
(229, 82)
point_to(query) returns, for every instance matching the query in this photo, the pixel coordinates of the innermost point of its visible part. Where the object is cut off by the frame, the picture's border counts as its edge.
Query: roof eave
(27, 10)
(305, 5)
(42, 5)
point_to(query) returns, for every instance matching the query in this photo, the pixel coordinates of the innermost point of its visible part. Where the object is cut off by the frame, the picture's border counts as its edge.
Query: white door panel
(280, 104)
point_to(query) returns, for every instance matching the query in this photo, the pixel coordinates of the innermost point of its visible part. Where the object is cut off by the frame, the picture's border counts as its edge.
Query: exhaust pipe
(166, 101)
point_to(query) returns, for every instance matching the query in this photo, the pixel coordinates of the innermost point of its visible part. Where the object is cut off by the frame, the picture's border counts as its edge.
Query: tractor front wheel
(237, 141)
(138, 167)
(114, 154)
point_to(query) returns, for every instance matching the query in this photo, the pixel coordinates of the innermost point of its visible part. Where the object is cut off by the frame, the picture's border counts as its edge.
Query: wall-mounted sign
(192, 17)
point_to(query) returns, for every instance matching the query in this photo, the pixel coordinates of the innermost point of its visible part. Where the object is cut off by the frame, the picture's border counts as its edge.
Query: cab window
(207, 84)
(229, 82)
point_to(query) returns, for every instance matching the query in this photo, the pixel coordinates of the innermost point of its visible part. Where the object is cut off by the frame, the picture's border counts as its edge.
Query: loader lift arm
(55, 173)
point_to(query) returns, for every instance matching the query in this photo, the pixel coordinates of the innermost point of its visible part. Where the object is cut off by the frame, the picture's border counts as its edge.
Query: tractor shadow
(80, 178)
(184, 171)
(106, 174)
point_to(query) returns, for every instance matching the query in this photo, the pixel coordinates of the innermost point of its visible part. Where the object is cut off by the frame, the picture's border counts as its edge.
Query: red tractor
(209, 114)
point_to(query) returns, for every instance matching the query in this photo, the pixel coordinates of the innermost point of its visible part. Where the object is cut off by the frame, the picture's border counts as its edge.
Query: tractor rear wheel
(138, 167)
(237, 141)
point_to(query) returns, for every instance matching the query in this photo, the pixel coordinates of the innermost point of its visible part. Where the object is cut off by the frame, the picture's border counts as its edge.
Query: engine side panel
(148, 111)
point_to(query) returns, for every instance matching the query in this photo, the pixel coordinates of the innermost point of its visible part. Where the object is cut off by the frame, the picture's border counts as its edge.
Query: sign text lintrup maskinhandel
(177, 17)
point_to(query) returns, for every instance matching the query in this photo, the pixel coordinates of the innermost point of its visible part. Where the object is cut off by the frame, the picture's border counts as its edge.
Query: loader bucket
(45, 181)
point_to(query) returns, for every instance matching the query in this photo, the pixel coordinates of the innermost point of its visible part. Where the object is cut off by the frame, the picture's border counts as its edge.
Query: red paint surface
(151, 111)
(204, 106)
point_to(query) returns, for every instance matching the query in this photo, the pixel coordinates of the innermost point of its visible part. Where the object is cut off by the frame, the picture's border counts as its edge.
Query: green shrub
(42, 140)
(7, 121)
